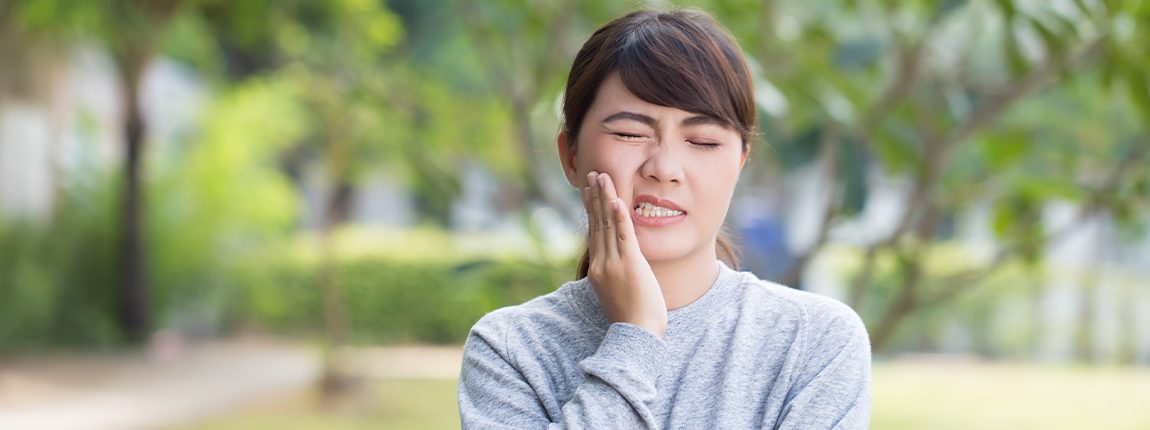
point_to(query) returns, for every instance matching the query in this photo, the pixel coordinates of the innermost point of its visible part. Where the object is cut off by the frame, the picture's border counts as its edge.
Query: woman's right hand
(623, 281)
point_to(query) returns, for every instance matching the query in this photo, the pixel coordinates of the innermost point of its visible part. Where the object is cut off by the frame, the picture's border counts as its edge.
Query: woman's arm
(618, 389)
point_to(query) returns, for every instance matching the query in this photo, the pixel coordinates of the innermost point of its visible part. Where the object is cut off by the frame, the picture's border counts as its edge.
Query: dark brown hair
(679, 58)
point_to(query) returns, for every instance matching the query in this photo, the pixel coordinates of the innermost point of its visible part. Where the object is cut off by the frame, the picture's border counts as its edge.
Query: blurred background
(287, 214)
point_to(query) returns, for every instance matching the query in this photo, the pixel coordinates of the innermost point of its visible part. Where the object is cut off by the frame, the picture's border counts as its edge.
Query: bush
(57, 284)
(57, 278)
(394, 301)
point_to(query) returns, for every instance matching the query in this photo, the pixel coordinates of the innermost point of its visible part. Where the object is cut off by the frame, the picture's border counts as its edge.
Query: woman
(659, 332)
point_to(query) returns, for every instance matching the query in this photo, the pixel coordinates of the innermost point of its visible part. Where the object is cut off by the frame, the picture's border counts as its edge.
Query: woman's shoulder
(817, 312)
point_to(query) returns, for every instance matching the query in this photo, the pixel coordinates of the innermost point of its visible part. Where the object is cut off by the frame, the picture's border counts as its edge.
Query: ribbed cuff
(632, 350)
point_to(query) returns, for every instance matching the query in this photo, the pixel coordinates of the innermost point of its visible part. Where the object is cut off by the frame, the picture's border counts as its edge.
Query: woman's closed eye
(704, 144)
(629, 137)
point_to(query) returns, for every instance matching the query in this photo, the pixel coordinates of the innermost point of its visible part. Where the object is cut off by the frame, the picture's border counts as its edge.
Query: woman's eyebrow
(652, 122)
(631, 116)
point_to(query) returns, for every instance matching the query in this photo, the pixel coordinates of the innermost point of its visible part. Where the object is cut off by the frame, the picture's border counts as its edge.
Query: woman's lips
(663, 203)
(655, 221)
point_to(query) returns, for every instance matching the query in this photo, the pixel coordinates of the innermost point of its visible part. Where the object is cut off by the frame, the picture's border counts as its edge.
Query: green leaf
(1055, 46)
(1039, 189)
(853, 164)
(1002, 219)
(1013, 50)
(1111, 63)
(1005, 149)
(1007, 8)
(1083, 8)
(1139, 92)
(894, 150)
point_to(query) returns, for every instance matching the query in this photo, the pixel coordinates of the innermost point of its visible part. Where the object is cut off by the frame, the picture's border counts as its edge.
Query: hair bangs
(670, 63)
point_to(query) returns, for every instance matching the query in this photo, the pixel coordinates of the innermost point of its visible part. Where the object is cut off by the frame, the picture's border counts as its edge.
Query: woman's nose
(662, 165)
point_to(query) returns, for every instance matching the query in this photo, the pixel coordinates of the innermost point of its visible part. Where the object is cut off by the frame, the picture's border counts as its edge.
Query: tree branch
(766, 33)
(955, 284)
(1001, 99)
(559, 36)
(909, 297)
(499, 77)
(937, 149)
(908, 70)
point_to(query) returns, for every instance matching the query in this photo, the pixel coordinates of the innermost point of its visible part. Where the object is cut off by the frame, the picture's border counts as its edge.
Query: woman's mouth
(654, 212)
(651, 211)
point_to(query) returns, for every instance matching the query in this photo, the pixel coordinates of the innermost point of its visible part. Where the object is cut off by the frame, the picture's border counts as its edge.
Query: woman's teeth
(651, 211)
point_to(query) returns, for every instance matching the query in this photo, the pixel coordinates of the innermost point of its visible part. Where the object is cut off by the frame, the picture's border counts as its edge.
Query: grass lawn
(943, 396)
(907, 395)
(389, 404)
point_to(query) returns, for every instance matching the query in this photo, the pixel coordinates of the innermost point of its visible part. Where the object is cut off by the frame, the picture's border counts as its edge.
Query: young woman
(659, 332)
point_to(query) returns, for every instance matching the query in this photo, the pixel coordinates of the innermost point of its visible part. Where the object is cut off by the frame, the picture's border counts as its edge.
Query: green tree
(343, 83)
(329, 54)
(331, 61)
(131, 31)
(964, 98)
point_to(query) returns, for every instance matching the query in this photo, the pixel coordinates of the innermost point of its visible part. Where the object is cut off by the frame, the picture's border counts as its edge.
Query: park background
(287, 214)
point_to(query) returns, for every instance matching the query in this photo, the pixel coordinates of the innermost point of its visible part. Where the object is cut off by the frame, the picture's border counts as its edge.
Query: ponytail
(725, 249)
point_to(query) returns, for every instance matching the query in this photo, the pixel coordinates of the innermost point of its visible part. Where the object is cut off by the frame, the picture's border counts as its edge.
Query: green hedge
(389, 301)
(57, 291)
(57, 280)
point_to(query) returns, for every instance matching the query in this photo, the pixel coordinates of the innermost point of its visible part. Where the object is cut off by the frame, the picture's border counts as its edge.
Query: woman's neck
(685, 280)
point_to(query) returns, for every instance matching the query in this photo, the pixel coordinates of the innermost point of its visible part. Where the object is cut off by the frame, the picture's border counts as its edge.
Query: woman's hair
(679, 58)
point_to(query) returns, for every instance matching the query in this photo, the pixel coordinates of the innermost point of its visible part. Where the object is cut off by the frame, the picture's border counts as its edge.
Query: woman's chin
(656, 252)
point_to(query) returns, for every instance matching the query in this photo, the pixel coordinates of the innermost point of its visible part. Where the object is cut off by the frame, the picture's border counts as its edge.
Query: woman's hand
(622, 278)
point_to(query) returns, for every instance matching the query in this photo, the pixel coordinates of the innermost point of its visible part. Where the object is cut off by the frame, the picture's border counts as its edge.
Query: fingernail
(603, 180)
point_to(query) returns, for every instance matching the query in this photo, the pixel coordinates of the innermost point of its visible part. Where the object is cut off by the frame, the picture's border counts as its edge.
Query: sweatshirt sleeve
(617, 392)
(832, 391)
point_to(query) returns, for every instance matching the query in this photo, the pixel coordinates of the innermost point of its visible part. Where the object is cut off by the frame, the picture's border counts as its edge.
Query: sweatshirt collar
(693, 315)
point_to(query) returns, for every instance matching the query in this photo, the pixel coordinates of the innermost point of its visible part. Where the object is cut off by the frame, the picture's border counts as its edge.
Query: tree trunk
(904, 304)
(335, 380)
(133, 299)
(1086, 350)
(909, 298)
(334, 316)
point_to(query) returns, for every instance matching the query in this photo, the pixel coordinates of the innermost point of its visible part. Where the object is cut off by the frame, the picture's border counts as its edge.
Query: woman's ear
(746, 155)
(567, 159)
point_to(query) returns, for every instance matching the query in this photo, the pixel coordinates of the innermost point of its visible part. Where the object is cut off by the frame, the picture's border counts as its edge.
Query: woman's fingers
(625, 239)
(585, 194)
(595, 217)
(610, 232)
(611, 205)
(606, 219)
(592, 220)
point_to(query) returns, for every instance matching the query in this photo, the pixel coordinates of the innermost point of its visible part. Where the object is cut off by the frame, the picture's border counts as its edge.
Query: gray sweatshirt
(747, 354)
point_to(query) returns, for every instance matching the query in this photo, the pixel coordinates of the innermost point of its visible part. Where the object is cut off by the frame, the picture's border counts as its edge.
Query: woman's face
(675, 169)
